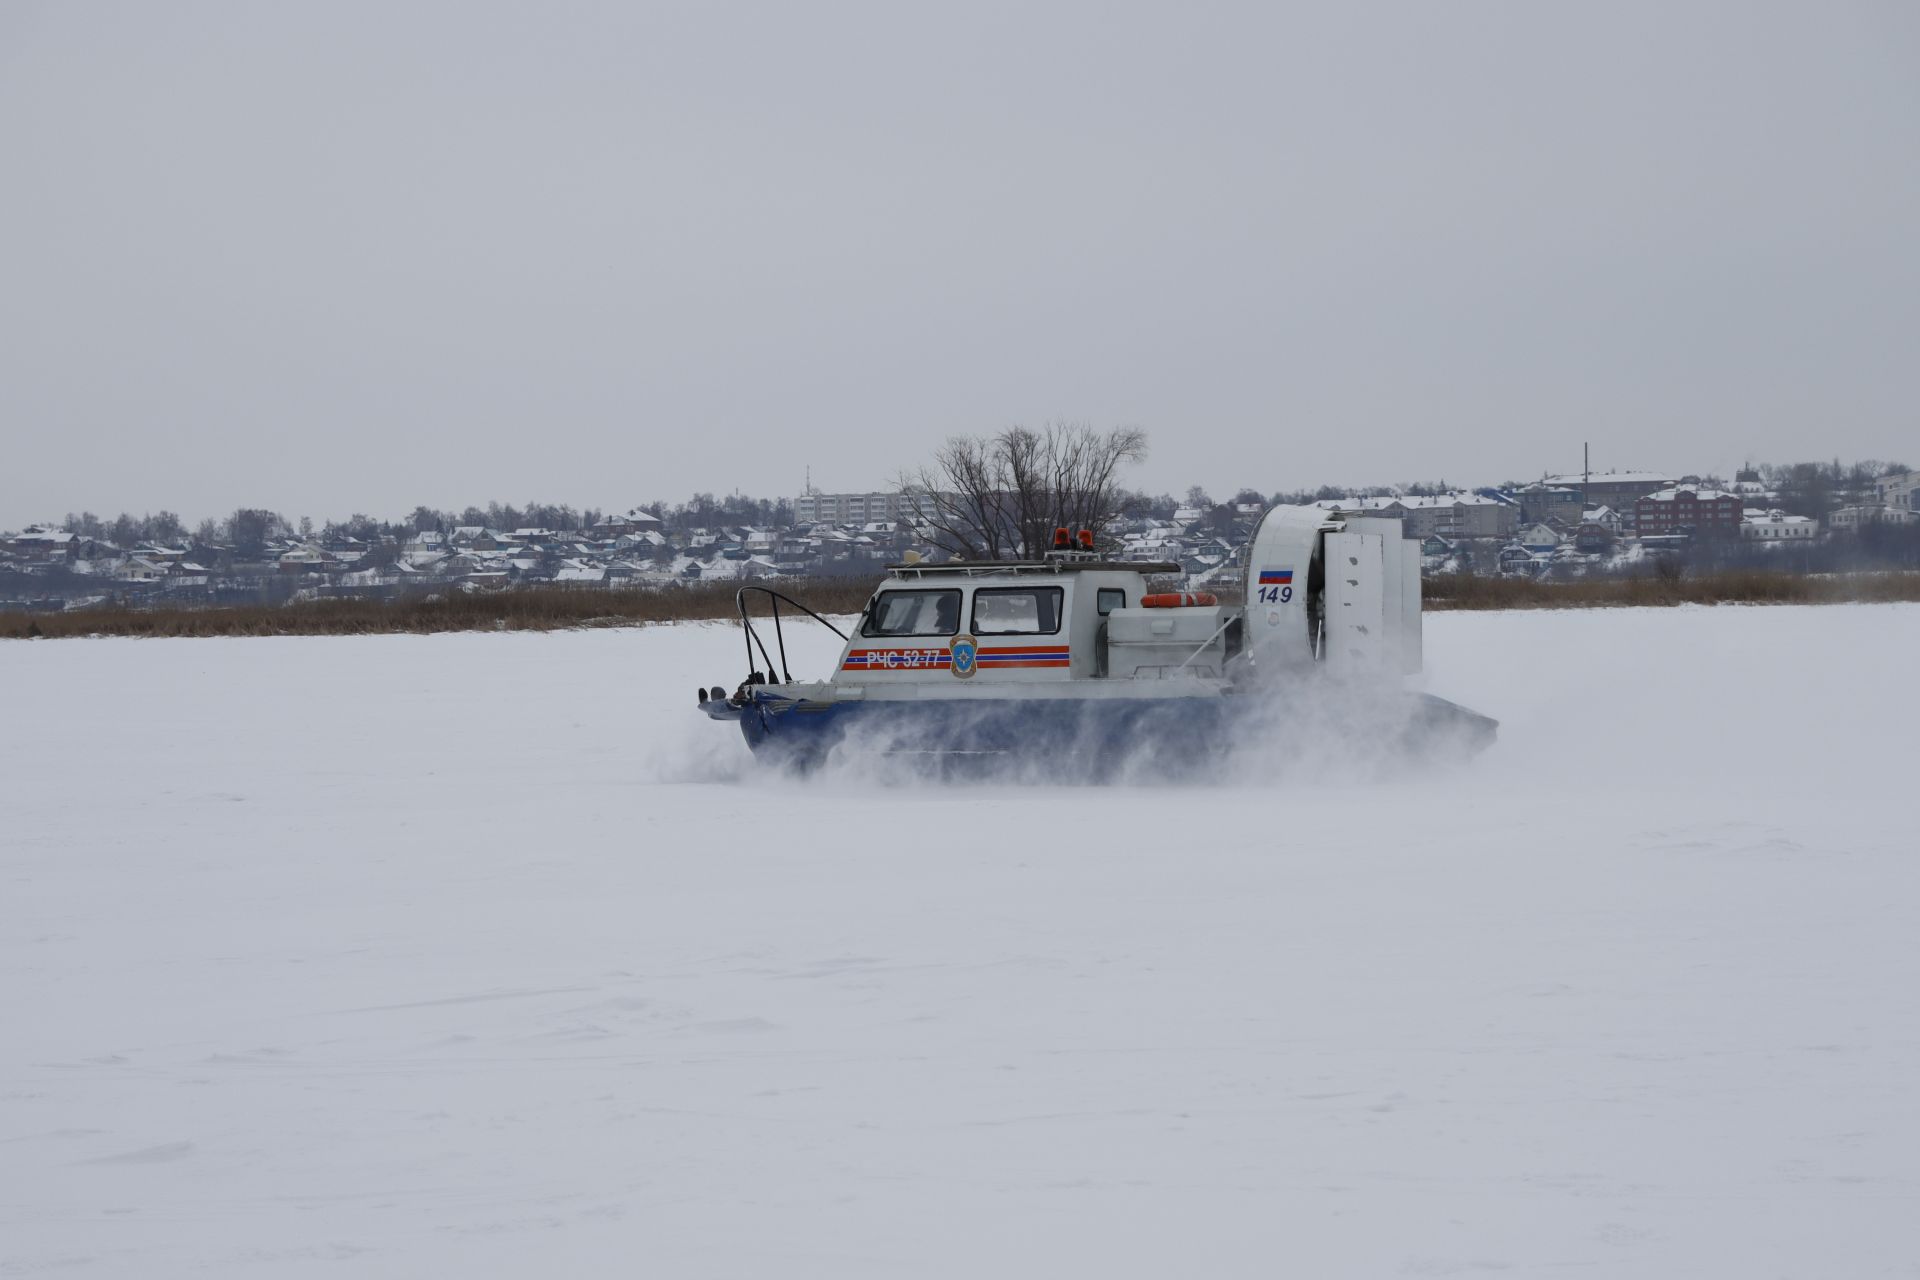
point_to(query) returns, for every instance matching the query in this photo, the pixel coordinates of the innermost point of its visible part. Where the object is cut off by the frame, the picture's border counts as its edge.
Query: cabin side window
(1017, 611)
(914, 613)
(1111, 598)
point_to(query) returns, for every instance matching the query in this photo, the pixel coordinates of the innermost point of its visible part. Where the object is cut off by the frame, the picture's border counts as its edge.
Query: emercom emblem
(963, 651)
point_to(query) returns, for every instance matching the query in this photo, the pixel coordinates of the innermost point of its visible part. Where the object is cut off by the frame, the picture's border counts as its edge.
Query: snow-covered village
(1804, 518)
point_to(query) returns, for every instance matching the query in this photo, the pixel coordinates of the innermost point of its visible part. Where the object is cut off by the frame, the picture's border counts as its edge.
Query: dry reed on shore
(544, 608)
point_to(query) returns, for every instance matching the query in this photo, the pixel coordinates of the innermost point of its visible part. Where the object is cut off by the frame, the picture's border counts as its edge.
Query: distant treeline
(1815, 488)
(250, 528)
(1803, 488)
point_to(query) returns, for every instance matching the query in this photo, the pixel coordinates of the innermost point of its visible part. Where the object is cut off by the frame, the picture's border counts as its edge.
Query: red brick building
(1682, 508)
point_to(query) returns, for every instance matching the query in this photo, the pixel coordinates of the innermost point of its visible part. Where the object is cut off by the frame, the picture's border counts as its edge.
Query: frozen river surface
(484, 955)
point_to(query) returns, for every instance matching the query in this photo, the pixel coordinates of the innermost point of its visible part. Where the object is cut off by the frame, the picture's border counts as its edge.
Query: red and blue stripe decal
(1001, 659)
(1275, 578)
(1032, 655)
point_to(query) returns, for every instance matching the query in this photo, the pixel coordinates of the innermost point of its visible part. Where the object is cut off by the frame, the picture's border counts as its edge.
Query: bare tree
(165, 526)
(1001, 497)
(963, 499)
(249, 528)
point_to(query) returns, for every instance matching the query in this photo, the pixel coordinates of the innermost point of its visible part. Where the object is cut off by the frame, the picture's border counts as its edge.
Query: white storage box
(1149, 643)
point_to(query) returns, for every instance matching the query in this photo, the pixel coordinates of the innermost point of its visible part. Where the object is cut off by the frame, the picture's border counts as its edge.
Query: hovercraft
(1079, 662)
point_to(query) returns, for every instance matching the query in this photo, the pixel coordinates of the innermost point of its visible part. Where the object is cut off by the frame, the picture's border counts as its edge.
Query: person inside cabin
(946, 616)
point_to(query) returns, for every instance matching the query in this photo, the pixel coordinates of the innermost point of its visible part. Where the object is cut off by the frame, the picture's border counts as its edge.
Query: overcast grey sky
(336, 256)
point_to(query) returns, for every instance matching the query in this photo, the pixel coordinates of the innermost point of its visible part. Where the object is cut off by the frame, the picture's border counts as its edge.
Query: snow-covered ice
(486, 955)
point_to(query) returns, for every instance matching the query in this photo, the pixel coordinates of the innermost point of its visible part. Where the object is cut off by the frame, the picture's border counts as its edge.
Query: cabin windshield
(914, 613)
(1016, 611)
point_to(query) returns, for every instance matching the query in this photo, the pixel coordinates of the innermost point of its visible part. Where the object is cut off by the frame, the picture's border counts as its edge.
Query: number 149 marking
(1275, 595)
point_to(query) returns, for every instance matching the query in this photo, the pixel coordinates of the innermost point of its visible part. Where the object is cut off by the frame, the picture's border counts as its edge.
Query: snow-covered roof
(1579, 480)
(1355, 504)
(1425, 502)
(1673, 492)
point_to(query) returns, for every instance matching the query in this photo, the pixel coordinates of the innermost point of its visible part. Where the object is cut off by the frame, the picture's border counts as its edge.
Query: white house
(1539, 537)
(424, 548)
(141, 569)
(1852, 519)
(1899, 491)
(1777, 526)
(305, 557)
